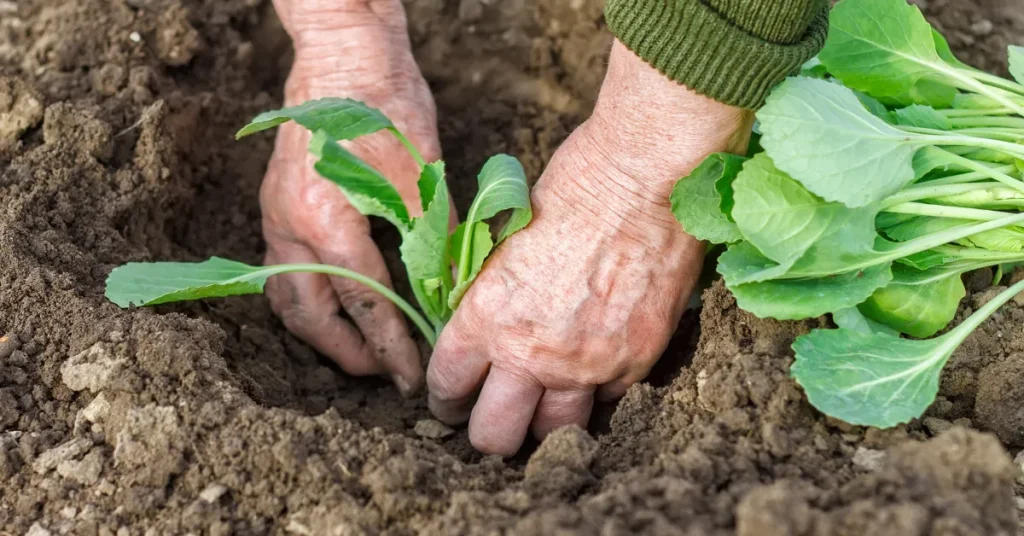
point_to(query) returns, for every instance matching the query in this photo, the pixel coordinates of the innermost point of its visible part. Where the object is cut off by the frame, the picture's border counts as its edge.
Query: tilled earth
(116, 122)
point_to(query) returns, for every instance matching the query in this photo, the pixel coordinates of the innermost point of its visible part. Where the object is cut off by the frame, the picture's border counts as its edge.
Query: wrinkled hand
(357, 49)
(583, 302)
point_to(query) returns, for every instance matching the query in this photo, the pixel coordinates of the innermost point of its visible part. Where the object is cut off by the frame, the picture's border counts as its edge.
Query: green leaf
(851, 318)
(921, 116)
(365, 187)
(931, 159)
(778, 215)
(946, 52)
(873, 105)
(502, 186)
(424, 249)
(341, 119)
(887, 49)
(142, 284)
(743, 263)
(877, 379)
(795, 299)
(995, 198)
(822, 136)
(931, 258)
(869, 379)
(918, 303)
(1017, 63)
(431, 175)
(480, 250)
(697, 201)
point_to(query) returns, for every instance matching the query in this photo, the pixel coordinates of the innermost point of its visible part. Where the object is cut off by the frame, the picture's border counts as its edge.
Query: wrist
(655, 130)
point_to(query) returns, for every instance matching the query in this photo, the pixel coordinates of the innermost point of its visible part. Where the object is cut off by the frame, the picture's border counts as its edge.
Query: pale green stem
(1001, 83)
(944, 138)
(987, 121)
(410, 147)
(467, 242)
(371, 283)
(979, 317)
(1006, 134)
(971, 112)
(915, 246)
(973, 176)
(942, 211)
(981, 168)
(969, 83)
(929, 191)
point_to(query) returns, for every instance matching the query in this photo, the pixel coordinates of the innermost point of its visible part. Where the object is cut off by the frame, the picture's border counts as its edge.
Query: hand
(584, 300)
(357, 49)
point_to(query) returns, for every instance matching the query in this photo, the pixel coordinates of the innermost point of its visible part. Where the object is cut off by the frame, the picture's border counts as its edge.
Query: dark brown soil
(116, 122)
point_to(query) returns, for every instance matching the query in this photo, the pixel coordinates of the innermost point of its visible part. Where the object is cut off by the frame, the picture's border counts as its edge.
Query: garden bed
(116, 123)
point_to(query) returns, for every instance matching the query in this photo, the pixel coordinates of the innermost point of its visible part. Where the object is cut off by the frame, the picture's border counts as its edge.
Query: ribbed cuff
(693, 44)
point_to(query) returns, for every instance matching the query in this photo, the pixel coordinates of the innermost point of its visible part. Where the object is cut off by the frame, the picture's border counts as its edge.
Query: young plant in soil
(880, 176)
(428, 250)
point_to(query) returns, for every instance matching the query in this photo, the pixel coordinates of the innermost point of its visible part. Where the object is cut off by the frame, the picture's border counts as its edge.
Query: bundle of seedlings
(877, 178)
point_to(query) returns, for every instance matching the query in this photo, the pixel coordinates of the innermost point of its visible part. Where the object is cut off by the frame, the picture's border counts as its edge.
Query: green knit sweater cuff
(729, 57)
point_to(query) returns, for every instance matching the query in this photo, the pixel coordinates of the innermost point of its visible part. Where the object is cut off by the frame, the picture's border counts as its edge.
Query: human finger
(309, 307)
(454, 375)
(558, 408)
(503, 412)
(380, 321)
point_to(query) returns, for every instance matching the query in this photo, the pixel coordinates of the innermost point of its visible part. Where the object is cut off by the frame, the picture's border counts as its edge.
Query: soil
(116, 122)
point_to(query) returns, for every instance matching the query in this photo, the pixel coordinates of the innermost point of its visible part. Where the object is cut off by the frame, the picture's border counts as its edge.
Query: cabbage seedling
(428, 249)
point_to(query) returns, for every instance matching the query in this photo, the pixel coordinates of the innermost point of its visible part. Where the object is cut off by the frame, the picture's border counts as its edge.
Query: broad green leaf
(480, 250)
(851, 318)
(424, 250)
(869, 379)
(502, 186)
(822, 136)
(341, 119)
(1017, 63)
(795, 299)
(778, 215)
(365, 187)
(141, 284)
(921, 116)
(877, 379)
(918, 303)
(887, 49)
(697, 201)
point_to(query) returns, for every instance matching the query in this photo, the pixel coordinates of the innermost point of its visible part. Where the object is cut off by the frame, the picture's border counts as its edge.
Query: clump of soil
(116, 123)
